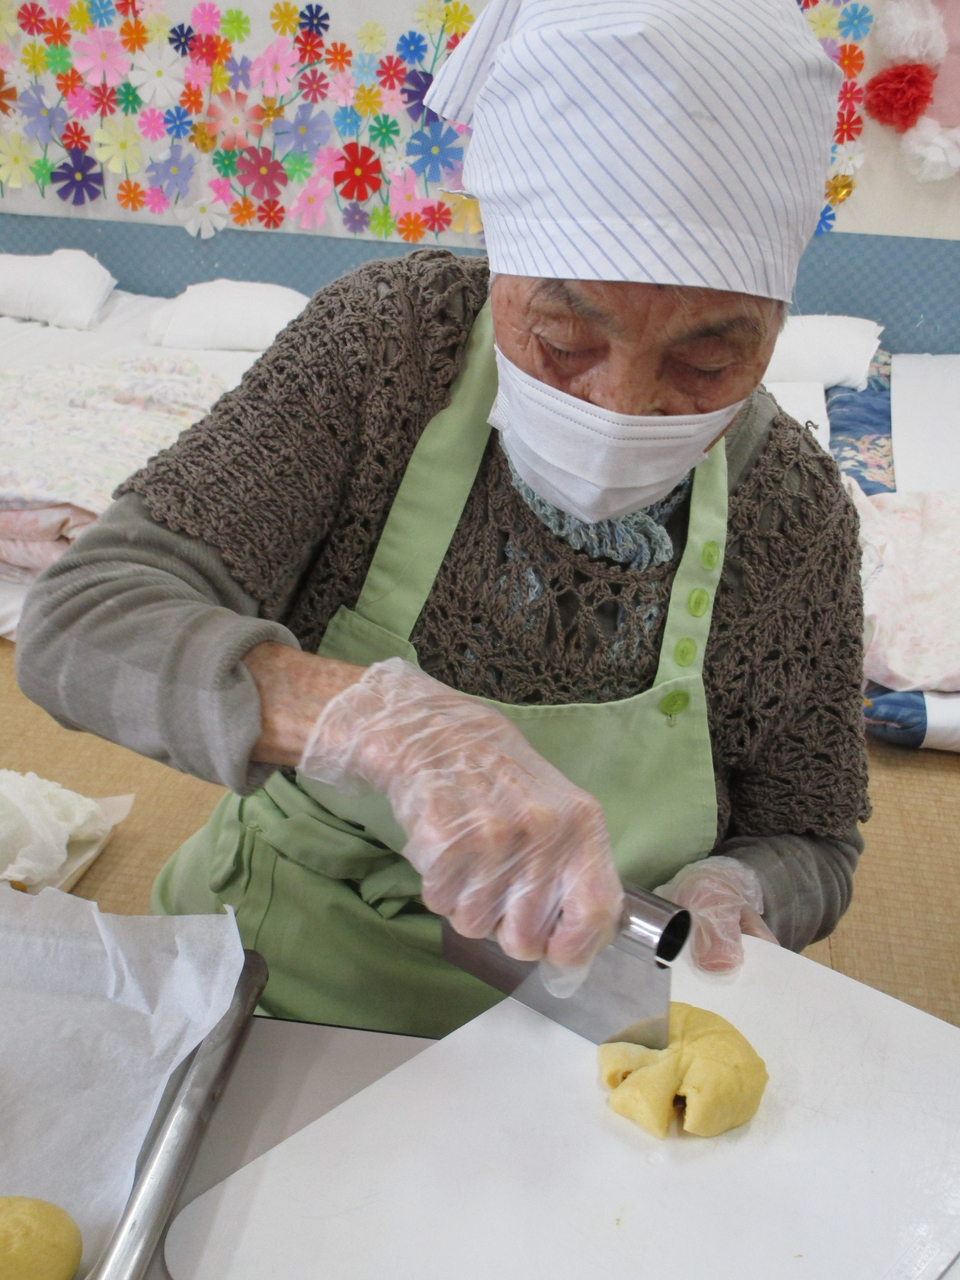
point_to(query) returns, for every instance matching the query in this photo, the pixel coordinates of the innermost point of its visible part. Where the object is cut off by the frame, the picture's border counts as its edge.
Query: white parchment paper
(95, 1012)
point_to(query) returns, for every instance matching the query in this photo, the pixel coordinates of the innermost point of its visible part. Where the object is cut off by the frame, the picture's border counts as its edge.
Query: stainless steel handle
(652, 927)
(162, 1174)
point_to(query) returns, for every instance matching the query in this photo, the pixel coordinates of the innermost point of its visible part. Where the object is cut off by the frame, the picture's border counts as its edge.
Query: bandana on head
(670, 141)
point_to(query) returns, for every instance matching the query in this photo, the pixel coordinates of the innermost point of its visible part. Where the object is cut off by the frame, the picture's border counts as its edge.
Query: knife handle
(651, 927)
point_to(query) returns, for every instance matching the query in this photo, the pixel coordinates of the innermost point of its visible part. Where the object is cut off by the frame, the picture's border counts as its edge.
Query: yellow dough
(709, 1076)
(38, 1240)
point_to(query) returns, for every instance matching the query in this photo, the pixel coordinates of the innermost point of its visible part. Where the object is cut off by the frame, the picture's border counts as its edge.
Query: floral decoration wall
(275, 116)
(272, 116)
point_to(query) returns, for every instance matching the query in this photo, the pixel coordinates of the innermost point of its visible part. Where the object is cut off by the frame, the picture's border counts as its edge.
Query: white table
(288, 1075)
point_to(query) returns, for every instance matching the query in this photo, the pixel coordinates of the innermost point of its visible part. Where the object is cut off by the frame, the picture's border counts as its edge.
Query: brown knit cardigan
(291, 477)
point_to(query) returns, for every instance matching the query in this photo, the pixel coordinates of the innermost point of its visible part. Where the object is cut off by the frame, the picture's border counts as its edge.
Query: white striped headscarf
(671, 141)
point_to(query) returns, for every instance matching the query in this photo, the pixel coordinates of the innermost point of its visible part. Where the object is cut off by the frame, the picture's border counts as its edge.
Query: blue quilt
(860, 437)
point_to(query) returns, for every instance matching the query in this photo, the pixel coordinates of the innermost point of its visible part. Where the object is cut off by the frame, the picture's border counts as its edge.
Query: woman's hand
(724, 897)
(503, 842)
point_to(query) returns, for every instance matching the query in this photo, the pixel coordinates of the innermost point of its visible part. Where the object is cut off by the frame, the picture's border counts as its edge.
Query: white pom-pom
(932, 152)
(911, 31)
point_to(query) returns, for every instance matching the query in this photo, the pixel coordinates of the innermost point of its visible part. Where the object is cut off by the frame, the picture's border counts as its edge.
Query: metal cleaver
(625, 996)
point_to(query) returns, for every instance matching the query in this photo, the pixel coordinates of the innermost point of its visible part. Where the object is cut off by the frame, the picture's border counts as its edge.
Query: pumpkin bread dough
(709, 1076)
(38, 1240)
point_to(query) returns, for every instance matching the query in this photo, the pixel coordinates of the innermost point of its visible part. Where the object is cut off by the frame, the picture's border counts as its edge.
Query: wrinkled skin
(636, 348)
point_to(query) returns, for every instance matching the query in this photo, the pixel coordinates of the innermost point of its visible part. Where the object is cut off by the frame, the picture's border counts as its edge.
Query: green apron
(313, 876)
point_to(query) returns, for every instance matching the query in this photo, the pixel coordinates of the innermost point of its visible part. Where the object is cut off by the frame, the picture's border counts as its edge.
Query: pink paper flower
(58, 8)
(221, 190)
(205, 19)
(328, 161)
(101, 57)
(150, 123)
(404, 197)
(6, 57)
(307, 209)
(342, 88)
(80, 103)
(391, 102)
(258, 170)
(197, 74)
(275, 68)
(155, 200)
(232, 122)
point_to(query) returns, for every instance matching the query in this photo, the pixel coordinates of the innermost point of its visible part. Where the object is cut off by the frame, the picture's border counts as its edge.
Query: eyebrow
(722, 329)
(560, 291)
(553, 290)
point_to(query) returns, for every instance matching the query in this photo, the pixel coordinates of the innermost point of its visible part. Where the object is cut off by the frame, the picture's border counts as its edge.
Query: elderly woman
(490, 674)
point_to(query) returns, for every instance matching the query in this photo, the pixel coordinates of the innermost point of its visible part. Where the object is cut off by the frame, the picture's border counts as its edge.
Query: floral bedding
(69, 435)
(860, 429)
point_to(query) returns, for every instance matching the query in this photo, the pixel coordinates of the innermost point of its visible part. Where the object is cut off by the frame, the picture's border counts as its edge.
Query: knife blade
(626, 994)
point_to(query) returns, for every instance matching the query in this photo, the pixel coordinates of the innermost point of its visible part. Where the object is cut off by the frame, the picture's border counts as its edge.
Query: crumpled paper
(37, 820)
(96, 1011)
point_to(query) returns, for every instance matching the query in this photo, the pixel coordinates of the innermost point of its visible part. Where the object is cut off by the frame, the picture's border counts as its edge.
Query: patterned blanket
(69, 435)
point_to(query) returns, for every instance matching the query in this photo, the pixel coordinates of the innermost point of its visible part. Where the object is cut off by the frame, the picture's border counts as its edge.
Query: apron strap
(698, 574)
(433, 492)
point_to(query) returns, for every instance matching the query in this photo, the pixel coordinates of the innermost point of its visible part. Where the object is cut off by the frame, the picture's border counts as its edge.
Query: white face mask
(589, 462)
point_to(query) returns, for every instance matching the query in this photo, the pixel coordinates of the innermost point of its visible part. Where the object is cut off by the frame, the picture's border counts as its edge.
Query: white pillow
(806, 402)
(67, 288)
(226, 315)
(833, 350)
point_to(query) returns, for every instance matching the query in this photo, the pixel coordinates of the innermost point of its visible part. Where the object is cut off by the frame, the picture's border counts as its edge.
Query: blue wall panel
(162, 261)
(911, 286)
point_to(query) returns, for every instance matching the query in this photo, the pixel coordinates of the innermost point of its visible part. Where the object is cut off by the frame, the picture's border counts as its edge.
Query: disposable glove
(724, 897)
(504, 844)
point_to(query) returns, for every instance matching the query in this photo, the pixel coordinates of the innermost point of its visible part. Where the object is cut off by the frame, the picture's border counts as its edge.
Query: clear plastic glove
(724, 897)
(504, 843)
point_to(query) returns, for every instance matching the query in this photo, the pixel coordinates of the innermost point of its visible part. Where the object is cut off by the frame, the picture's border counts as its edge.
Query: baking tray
(170, 1147)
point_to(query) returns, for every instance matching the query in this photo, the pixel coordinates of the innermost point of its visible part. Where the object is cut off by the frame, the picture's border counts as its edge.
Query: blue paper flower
(305, 132)
(172, 174)
(364, 69)
(855, 22)
(239, 69)
(413, 90)
(315, 19)
(43, 123)
(827, 219)
(434, 149)
(177, 122)
(412, 48)
(101, 11)
(355, 219)
(347, 121)
(76, 179)
(180, 38)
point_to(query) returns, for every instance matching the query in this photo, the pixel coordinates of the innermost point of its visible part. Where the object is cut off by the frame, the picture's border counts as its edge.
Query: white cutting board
(493, 1154)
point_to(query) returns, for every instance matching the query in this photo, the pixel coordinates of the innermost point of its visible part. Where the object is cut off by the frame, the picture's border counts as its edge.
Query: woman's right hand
(504, 843)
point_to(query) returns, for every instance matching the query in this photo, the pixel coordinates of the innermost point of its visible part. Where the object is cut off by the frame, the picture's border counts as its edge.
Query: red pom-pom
(900, 95)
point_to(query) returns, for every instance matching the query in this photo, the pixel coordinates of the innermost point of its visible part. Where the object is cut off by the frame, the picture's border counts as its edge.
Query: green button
(675, 702)
(685, 652)
(710, 555)
(698, 602)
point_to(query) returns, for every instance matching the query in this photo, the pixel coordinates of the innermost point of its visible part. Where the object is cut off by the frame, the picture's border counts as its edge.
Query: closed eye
(559, 354)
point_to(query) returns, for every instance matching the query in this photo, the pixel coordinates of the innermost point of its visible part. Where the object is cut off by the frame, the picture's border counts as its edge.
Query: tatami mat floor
(901, 935)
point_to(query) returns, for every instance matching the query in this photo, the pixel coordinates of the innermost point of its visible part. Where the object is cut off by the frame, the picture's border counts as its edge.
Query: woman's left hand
(724, 897)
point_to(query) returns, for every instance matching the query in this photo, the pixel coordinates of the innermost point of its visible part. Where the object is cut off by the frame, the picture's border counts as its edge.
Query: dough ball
(38, 1240)
(709, 1075)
